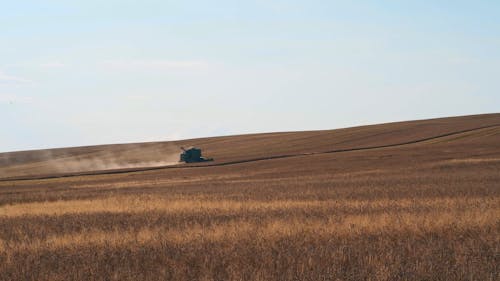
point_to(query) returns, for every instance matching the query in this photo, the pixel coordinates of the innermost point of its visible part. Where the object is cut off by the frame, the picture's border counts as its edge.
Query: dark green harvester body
(192, 155)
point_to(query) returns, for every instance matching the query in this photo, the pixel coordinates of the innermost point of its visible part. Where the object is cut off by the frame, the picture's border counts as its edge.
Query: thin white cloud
(155, 64)
(13, 99)
(4, 77)
(52, 64)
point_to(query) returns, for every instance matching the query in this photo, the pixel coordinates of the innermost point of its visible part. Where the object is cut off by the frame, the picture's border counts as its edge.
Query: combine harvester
(193, 155)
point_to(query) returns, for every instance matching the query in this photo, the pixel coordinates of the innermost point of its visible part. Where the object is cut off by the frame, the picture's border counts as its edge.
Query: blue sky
(92, 72)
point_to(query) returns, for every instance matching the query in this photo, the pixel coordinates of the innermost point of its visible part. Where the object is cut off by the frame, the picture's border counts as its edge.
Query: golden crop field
(419, 211)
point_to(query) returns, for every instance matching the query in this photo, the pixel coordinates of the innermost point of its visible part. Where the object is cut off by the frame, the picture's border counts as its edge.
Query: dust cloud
(83, 164)
(86, 159)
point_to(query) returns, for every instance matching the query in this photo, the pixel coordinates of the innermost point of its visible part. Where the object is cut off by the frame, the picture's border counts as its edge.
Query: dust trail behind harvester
(82, 164)
(57, 161)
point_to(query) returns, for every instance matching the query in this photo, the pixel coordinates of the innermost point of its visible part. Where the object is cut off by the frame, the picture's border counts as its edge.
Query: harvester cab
(192, 155)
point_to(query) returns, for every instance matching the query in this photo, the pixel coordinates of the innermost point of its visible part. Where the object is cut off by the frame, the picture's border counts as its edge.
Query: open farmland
(394, 210)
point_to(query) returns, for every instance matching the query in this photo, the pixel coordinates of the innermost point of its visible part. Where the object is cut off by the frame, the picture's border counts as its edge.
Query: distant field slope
(232, 148)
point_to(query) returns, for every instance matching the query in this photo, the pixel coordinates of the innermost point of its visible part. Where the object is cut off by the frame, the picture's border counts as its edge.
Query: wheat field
(428, 211)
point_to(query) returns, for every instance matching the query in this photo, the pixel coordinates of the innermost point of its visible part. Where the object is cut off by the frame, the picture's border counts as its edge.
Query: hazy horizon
(90, 73)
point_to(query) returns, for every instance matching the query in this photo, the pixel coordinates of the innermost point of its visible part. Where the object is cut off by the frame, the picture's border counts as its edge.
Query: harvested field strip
(121, 171)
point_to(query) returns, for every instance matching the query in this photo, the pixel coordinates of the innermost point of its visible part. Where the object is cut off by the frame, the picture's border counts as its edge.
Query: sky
(91, 72)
